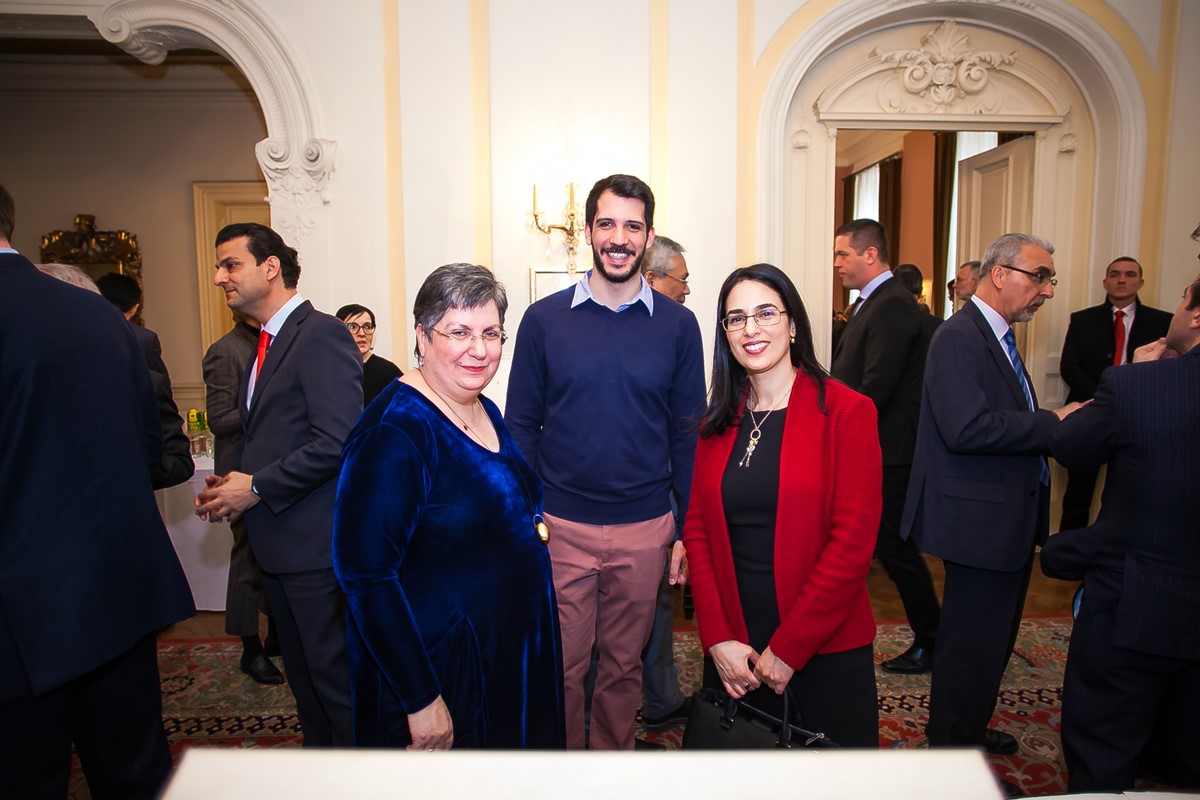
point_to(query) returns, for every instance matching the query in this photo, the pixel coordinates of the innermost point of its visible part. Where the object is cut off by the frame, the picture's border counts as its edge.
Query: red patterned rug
(208, 701)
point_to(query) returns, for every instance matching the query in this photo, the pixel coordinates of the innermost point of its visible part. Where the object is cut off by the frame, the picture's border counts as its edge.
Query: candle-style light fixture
(571, 227)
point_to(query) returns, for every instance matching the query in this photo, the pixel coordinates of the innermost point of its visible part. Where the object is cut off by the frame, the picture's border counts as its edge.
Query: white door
(995, 196)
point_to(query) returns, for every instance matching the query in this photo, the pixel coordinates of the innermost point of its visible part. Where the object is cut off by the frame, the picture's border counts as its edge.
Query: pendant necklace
(466, 427)
(756, 432)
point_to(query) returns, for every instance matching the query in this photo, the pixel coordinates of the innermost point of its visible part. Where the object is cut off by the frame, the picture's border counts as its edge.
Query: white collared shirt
(583, 291)
(273, 326)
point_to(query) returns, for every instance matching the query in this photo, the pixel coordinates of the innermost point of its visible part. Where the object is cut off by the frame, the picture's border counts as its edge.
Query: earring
(420, 361)
(793, 338)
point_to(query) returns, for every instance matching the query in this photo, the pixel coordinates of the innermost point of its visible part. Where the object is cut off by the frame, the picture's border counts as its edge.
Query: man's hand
(1155, 351)
(1069, 409)
(226, 499)
(677, 575)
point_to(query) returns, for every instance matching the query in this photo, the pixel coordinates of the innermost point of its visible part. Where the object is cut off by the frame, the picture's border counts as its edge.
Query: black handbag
(718, 722)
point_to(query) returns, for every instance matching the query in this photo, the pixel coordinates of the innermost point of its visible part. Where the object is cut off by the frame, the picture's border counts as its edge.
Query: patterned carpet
(207, 701)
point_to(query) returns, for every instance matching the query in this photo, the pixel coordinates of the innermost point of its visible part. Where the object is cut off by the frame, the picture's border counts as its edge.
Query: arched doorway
(1057, 74)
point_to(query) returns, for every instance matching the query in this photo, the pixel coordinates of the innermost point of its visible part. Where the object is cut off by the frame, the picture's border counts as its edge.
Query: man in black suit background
(87, 572)
(1091, 346)
(224, 368)
(980, 494)
(300, 397)
(1134, 660)
(176, 465)
(881, 353)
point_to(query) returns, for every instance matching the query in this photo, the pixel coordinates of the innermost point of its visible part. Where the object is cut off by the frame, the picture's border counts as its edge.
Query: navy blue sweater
(606, 405)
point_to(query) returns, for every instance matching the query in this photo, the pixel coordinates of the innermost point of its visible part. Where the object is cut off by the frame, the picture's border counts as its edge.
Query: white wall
(127, 150)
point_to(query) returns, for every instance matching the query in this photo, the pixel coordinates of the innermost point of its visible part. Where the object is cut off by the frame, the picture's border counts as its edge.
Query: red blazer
(830, 498)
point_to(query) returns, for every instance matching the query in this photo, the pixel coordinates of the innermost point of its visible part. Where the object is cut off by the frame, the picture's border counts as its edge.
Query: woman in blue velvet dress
(453, 630)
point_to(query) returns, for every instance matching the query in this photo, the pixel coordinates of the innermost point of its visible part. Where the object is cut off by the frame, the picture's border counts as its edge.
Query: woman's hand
(772, 671)
(431, 727)
(735, 665)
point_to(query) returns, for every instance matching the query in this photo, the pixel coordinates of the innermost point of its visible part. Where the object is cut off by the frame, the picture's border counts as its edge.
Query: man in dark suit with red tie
(300, 397)
(88, 575)
(1098, 338)
(1134, 661)
(980, 491)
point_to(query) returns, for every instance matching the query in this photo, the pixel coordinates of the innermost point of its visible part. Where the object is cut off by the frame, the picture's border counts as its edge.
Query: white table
(234, 774)
(202, 547)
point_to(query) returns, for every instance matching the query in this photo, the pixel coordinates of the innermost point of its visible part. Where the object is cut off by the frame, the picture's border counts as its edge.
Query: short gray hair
(1007, 249)
(456, 286)
(658, 255)
(69, 273)
(976, 268)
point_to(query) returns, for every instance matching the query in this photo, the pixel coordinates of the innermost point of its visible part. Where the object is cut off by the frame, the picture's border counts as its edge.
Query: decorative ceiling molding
(947, 77)
(296, 161)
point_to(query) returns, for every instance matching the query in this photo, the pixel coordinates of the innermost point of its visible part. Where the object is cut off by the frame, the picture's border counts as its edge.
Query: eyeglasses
(1042, 276)
(491, 337)
(684, 281)
(763, 317)
(366, 327)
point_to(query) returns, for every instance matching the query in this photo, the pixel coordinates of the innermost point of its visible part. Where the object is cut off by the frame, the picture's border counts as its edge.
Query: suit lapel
(276, 353)
(999, 356)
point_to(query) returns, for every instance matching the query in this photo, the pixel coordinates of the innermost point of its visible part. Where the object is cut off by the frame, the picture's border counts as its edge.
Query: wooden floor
(1046, 596)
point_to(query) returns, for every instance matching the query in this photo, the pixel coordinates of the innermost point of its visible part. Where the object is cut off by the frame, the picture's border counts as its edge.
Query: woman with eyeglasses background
(786, 499)
(378, 372)
(439, 546)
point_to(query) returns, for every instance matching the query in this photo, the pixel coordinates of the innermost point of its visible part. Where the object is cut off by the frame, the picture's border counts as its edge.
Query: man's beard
(635, 268)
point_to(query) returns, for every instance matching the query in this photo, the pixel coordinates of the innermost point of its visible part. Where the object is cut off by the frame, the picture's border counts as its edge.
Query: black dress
(378, 372)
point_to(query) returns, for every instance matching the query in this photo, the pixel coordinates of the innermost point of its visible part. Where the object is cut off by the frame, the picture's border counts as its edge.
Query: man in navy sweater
(604, 399)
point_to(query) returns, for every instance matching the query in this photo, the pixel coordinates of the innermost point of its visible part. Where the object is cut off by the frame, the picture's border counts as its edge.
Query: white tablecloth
(203, 547)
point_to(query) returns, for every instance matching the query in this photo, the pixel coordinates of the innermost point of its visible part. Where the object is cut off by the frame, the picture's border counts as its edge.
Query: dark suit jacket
(881, 353)
(1143, 552)
(225, 366)
(1088, 349)
(176, 465)
(86, 567)
(305, 402)
(974, 494)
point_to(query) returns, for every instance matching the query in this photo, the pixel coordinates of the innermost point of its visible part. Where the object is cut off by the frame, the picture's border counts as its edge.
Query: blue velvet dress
(449, 587)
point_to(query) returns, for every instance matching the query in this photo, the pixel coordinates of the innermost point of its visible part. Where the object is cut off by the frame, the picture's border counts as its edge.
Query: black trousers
(903, 561)
(1114, 700)
(112, 714)
(1077, 499)
(244, 597)
(309, 611)
(981, 615)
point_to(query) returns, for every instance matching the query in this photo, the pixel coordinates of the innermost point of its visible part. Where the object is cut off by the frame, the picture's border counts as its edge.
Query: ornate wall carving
(296, 161)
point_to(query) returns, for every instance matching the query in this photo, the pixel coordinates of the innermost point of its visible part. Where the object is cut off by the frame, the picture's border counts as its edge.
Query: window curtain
(945, 165)
(889, 203)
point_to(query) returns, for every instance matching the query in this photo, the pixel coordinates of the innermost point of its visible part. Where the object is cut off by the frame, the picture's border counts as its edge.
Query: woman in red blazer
(785, 507)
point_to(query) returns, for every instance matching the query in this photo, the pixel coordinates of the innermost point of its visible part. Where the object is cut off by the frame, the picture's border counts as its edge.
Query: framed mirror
(95, 252)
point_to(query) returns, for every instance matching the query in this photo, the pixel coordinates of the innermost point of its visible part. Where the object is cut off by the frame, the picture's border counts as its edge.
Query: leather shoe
(916, 660)
(261, 669)
(671, 718)
(999, 743)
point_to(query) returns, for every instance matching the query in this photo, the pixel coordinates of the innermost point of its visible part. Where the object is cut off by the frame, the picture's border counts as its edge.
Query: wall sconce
(571, 227)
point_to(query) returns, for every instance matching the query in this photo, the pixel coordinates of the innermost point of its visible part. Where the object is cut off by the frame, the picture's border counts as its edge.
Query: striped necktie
(1014, 358)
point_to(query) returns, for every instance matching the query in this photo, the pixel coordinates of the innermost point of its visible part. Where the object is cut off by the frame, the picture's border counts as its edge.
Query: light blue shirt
(998, 323)
(583, 291)
(874, 284)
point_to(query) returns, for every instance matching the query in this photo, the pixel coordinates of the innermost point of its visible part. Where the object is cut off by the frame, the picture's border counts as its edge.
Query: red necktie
(264, 343)
(1119, 336)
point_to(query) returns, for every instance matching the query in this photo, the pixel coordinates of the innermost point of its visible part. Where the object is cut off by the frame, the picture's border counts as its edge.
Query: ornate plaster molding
(945, 77)
(945, 74)
(296, 161)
